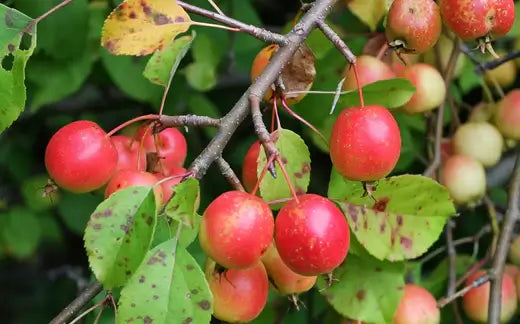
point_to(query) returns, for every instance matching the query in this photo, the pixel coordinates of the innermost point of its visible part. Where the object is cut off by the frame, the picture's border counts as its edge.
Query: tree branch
(504, 241)
(337, 41)
(477, 283)
(229, 174)
(78, 304)
(187, 120)
(493, 64)
(230, 122)
(254, 31)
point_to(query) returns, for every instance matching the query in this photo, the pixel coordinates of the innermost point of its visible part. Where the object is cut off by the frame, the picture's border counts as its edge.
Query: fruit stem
(261, 177)
(287, 179)
(141, 146)
(295, 115)
(361, 100)
(214, 5)
(131, 121)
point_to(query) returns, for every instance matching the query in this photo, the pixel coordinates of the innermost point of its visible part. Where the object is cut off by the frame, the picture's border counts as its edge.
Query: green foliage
(21, 232)
(119, 234)
(365, 289)
(295, 156)
(168, 287)
(403, 219)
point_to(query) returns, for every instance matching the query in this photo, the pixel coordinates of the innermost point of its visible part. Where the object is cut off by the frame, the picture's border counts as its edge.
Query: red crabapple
(465, 179)
(417, 306)
(127, 178)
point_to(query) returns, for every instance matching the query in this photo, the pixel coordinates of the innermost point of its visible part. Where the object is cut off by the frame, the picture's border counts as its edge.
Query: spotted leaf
(168, 287)
(140, 27)
(297, 161)
(365, 289)
(406, 218)
(119, 234)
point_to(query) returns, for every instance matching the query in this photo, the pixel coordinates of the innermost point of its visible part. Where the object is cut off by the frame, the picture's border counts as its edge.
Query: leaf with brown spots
(167, 227)
(169, 287)
(119, 234)
(406, 218)
(295, 155)
(365, 289)
(140, 27)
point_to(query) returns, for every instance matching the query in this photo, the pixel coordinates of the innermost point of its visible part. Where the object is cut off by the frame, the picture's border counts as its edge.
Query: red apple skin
(127, 178)
(249, 175)
(473, 19)
(417, 306)
(167, 186)
(365, 143)
(236, 229)
(512, 271)
(312, 236)
(239, 296)
(465, 179)
(370, 69)
(259, 63)
(507, 115)
(171, 144)
(80, 157)
(284, 280)
(514, 251)
(128, 154)
(430, 89)
(414, 24)
(475, 302)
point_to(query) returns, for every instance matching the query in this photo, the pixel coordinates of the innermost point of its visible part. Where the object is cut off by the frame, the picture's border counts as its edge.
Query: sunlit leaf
(140, 27)
(368, 11)
(407, 217)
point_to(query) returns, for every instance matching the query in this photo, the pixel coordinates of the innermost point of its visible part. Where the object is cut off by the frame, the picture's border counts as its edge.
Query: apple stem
(141, 146)
(261, 177)
(184, 175)
(214, 5)
(301, 119)
(157, 147)
(287, 179)
(278, 201)
(131, 121)
(361, 100)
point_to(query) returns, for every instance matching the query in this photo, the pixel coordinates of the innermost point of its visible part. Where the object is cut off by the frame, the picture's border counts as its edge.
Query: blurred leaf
(245, 47)
(469, 79)
(119, 234)
(63, 34)
(407, 218)
(21, 232)
(202, 76)
(50, 229)
(408, 151)
(204, 50)
(168, 287)
(127, 73)
(366, 289)
(140, 27)
(182, 206)
(297, 161)
(515, 30)
(75, 210)
(166, 61)
(369, 11)
(13, 61)
(199, 104)
(35, 195)
(437, 280)
(319, 44)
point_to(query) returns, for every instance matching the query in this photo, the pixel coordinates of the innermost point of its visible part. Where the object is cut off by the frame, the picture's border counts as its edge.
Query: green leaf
(366, 289)
(166, 61)
(297, 161)
(168, 287)
(63, 34)
(21, 232)
(119, 234)
(391, 93)
(127, 73)
(407, 218)
(245, 47)
(369, 12)
(204, 50)
(182, 206)
(437, 280)
(13, 60)
(167, 228)
(202, 76)
(408, 150)
(35, 196)
(75, 209)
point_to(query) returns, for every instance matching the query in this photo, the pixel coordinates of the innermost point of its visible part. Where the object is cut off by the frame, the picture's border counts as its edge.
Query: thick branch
(78, 304)
(230, 122)
(337, 41)
(493, 64)
(254, 31)
(504, 241)
(188, 120)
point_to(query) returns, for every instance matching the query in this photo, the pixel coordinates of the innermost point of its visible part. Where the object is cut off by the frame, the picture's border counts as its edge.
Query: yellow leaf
(368, 11)
(140, 27)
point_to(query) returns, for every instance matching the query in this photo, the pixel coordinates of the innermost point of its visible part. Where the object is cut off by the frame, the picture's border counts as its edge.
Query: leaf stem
(45, 15)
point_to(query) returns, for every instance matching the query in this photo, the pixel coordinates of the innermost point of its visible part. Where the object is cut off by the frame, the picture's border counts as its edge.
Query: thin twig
(337, 41)
(214, 5)
(252, 30)
(499, 259)
(45, 15)
(477, 283)
(78, 304)
(493, 221)
(229, 174)
(187, 120)
(260, 129)
(452, 272)
(493, 64)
